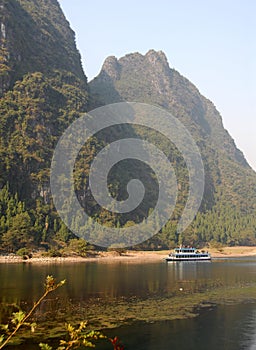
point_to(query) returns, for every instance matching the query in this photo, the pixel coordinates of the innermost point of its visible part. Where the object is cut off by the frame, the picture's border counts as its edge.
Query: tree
(19, 234)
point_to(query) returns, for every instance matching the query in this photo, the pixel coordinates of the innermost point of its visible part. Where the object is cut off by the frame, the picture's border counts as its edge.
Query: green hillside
(43, 89)
(227, 213)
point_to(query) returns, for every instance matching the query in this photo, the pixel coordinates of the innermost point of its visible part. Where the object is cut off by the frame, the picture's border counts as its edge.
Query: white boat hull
(195, 258)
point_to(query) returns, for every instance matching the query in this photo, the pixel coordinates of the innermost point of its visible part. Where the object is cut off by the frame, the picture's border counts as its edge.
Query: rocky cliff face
(229, 181)
(150, 79)
(35, 36)
(43, 89)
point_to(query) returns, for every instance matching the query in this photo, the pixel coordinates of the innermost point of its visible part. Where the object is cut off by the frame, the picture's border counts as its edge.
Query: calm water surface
(225, 327)
(231, 327)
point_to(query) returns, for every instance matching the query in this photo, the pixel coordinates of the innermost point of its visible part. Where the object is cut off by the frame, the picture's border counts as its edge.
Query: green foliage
(24, 253)
(4, 67)
(16, 228)
(77, 337)
(42, 89)
(54, 253)
(19, 319)
(77, 247)
(33, 116)
(39, 38)
(44, 346)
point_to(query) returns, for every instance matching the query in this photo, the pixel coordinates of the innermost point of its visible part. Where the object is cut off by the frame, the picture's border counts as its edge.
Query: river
(140, 300)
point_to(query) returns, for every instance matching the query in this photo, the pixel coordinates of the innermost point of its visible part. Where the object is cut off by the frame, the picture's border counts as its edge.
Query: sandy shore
(129, 256)
(232, 252)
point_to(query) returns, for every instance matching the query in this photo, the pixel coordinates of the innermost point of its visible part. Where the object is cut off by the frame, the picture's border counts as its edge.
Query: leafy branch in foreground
(77, 337)
(19, 318)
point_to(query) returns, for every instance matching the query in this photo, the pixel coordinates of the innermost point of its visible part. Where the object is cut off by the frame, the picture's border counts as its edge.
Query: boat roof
(185, 249)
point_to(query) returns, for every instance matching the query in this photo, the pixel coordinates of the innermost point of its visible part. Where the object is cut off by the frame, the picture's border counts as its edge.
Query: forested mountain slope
(228, 208)
(43, 89)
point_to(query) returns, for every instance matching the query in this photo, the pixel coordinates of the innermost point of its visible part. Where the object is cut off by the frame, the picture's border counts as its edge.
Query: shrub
(24, 253)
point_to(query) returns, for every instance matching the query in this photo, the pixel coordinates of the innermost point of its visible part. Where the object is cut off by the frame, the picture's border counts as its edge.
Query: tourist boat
(188, 254)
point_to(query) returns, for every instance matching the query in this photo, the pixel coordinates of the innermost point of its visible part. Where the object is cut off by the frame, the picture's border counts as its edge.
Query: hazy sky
(212, 43)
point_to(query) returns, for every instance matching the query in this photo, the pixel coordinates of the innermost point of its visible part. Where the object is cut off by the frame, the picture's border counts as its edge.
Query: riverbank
(129, 256)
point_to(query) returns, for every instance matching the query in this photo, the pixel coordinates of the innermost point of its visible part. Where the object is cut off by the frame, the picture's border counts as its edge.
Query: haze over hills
(43, 89)
(149, 79)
